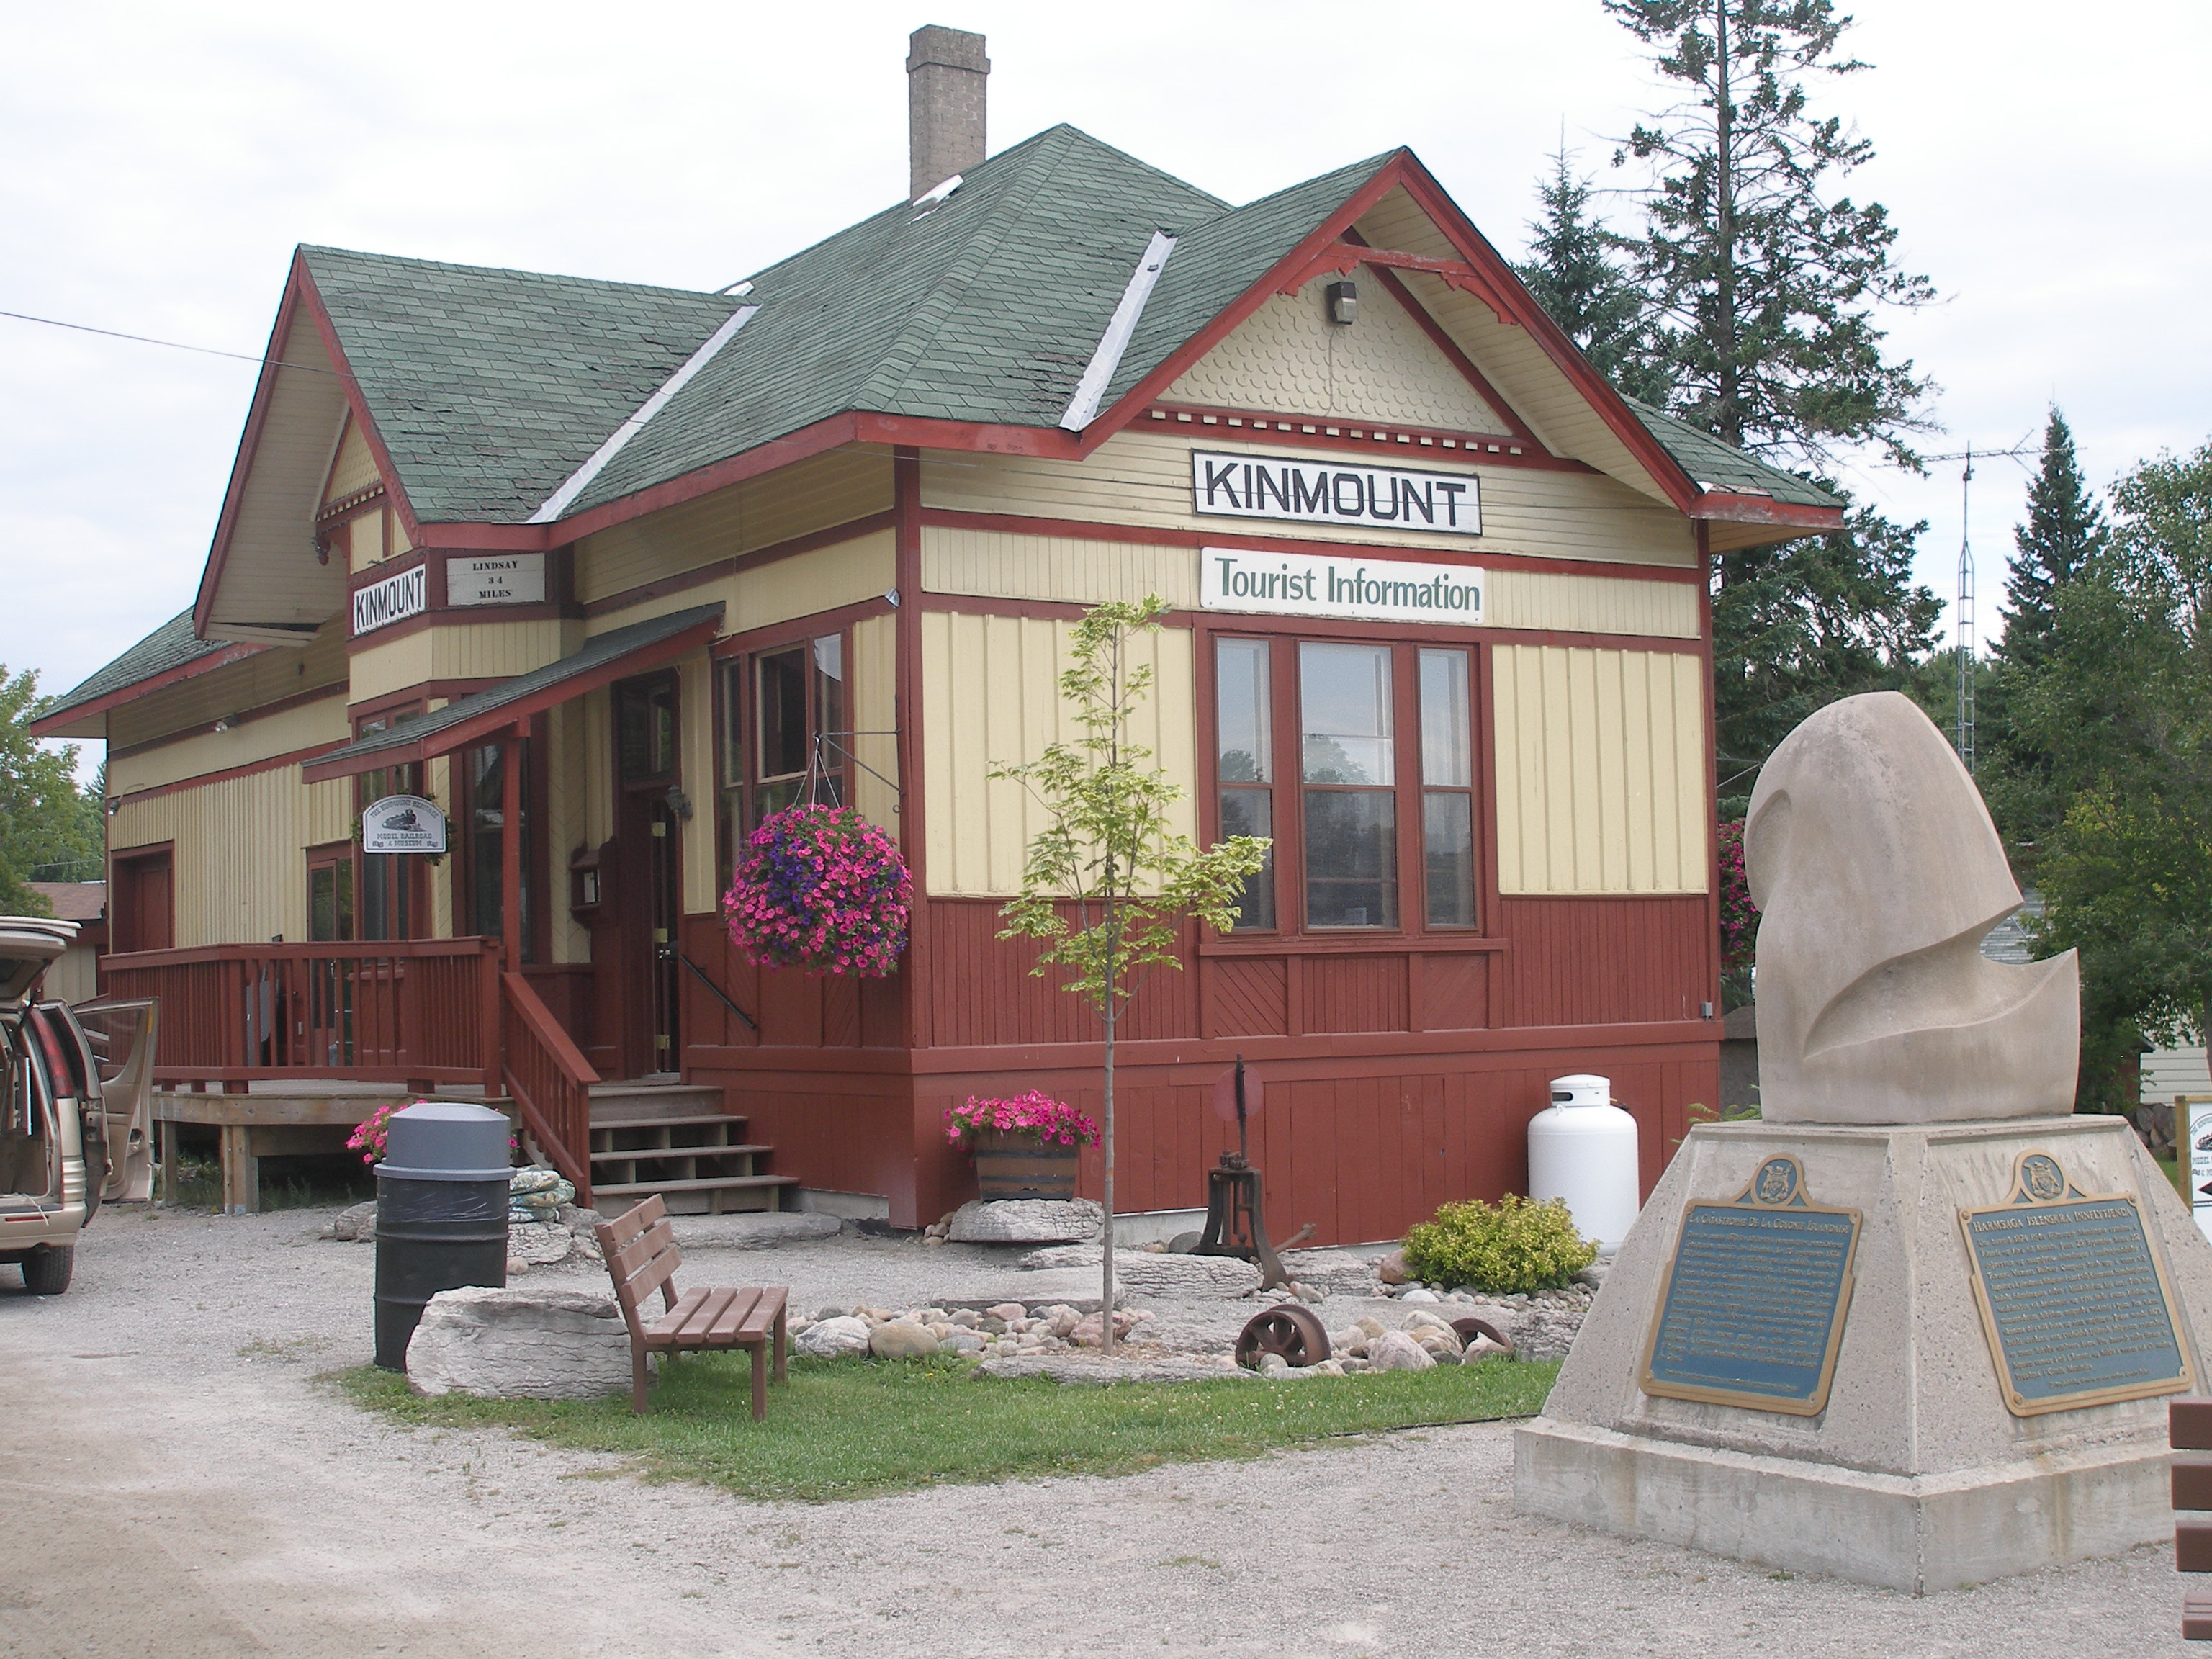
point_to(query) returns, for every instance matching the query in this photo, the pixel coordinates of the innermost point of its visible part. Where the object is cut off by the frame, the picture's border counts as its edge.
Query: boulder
(1148, 1275)
(901, 1340)
(1392, 1268)
(828, 1338)
(1066, 1255)
(1544, 1330)
(357, 1225)
(508, 1344)
(1335, 1273)
(539, 1245)
(1481, 1349)
(1395, 1350)
(1025, 1221)
(758, 1229)
(961, 1342)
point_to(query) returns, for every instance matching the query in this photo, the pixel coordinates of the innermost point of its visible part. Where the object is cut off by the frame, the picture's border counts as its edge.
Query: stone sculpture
(1877, 873)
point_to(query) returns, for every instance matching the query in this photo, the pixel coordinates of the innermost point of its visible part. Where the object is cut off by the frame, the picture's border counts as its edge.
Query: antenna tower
(1962, 633)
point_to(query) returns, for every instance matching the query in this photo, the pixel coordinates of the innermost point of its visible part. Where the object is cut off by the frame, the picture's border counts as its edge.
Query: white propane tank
(1582, 1150)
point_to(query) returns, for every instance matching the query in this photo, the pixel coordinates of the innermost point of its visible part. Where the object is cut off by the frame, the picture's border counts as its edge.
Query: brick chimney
(946, 73)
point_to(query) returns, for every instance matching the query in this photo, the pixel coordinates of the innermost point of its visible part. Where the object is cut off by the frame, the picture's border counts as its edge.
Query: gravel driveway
(176, 1484)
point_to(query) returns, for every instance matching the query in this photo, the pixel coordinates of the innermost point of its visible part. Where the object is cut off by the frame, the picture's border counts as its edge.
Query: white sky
(164, 159)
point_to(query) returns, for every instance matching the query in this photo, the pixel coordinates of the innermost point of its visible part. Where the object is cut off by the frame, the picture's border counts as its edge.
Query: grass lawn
(854, 1428)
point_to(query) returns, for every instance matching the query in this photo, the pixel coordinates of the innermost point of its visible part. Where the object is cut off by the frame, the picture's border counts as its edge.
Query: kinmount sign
(395, 598)
(1324, 492)
(1304, 585)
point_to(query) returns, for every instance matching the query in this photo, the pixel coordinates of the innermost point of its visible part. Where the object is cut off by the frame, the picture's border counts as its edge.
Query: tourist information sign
(1755, 1298)
(2073, 1301)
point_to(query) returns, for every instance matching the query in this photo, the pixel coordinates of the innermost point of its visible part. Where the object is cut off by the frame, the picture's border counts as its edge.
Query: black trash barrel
(441, 1214)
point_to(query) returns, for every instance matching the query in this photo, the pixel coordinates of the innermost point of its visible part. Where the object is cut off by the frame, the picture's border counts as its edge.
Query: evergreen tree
(1764, 286)
(2064, 527)
(1577, 274)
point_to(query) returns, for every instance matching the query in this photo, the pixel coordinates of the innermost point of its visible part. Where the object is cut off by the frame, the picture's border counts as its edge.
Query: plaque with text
(1753, 1308)
(2074, 1300)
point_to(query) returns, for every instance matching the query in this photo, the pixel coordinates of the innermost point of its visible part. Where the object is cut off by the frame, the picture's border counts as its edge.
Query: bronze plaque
(2074, 1300)
(1753, 1314)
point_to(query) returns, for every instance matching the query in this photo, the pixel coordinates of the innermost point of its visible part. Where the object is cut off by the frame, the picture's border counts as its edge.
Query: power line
(174, 345)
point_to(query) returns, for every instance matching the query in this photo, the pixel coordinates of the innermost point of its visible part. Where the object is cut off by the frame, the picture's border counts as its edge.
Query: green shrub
(1503, 1250)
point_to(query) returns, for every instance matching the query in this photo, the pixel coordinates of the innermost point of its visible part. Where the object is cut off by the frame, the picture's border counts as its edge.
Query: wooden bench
(641, 1256)
(2189, 1431)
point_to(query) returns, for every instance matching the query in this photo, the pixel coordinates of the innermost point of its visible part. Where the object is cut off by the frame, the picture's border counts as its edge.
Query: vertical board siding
(285, 733)
(874, 704)
(267, 676)
(1289, 355)
(1601, 771)
(1356, 993)
(991, 694)
(822, 579)
(983, 992)
(240, 860)
(1599, 961)
(1589, 604)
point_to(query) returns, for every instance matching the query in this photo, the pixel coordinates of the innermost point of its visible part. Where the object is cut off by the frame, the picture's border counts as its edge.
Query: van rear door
(122, 1036)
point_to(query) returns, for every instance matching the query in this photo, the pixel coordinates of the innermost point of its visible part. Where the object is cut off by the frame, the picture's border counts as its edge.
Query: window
(785, 729)
(329, 892)
(1365, 813)
(646, 730)
(481, 775)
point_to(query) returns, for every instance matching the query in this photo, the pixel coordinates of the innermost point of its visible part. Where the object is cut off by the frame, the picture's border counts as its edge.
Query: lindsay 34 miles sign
(1300, 585)
(1321, 492)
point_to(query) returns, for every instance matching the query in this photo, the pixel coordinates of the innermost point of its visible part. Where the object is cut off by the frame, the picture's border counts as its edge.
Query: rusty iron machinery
(1293, 1332)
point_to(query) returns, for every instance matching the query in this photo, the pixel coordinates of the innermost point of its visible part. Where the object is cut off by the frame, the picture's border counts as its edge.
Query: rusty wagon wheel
(1469, 1329)
(1295, 1333)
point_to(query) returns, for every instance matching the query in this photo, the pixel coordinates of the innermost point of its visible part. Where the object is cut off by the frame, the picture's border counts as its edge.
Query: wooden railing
(397, 1011)
(549, 1081)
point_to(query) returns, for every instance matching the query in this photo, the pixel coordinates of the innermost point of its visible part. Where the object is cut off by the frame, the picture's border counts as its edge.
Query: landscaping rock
(754, 1231)
(1335, 1273)
(1391, 1269)
(356, 1225)
(1481, 1349)
(1143, 1274)
(841, 1334)
(1395, 1350)
(1097, 1369)
(1025, 1221)
(1418, 1294)
(1067, 1255)
(507, 1344)
(961, 1342)
(539, 1245)
(1089, 1331)
(1543, 1330)
(900, 1339)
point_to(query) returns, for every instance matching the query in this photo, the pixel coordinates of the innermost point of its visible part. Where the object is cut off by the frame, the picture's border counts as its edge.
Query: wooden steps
(673, 1139)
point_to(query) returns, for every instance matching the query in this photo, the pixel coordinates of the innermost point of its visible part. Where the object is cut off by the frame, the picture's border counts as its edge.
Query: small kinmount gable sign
(1324, 492)
(1371, 590)
(396, 598)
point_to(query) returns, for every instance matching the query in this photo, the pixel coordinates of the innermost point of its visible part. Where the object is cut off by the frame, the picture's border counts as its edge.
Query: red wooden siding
(1605, 961)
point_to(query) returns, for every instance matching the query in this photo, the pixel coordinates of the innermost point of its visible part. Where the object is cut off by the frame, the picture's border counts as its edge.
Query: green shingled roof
(491, 387)
(170, 646)
(1715, 465)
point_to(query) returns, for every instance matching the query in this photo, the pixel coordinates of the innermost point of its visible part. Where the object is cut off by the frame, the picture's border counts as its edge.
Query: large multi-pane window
(786, 731)
(1364, 814)
(482, 773)
(390, 903)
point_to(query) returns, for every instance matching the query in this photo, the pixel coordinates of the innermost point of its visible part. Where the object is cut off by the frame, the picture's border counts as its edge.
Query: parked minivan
(75, 1100)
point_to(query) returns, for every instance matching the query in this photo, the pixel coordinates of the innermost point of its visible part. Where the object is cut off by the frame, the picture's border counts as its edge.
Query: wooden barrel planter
(1015, 1164)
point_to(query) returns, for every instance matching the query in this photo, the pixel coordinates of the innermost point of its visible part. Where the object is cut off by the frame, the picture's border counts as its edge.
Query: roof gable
(1288, 357)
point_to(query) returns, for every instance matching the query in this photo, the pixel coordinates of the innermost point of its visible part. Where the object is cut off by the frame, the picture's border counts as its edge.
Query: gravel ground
(178, 1484)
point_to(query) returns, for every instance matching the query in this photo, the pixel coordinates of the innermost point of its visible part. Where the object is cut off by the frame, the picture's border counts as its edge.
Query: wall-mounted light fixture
(1343, 302)
(678, 802)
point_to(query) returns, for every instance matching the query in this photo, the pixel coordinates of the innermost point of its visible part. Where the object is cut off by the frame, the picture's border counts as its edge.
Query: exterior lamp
(1343, 302)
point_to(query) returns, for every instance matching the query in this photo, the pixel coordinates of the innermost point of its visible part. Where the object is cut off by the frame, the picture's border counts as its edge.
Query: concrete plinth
(1914, 1475)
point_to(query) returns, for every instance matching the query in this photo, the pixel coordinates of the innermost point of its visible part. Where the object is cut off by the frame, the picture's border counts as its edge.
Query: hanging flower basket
(820, 888)
(1024, 1147)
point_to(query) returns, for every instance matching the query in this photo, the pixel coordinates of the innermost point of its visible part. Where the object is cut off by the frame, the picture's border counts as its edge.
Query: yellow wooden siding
(872, 695)
(465, 651)
(991, 693)
(1589, 604)
(1601, 771)
(598, 764)
(281, 733)
(999, 564)
(362, 541)
(241, 867)
(1142, 477)
(702, 868)
(355, 468)
(845, 573)
(195, 704)
(438, 775)
(1288, 357)
(809, 494)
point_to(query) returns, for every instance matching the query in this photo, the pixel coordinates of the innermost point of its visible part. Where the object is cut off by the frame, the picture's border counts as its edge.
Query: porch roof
(485, 716)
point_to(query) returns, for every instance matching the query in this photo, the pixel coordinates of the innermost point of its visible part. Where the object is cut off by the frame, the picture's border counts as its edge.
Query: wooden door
(648, 855)
(144, 907)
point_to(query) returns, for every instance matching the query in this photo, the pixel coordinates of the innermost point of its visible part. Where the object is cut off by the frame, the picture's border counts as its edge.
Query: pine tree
(1763, 287)
(1578, 275)
(2064, 527)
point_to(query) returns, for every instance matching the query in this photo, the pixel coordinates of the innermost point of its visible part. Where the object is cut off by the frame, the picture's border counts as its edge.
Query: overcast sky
(2048, 169)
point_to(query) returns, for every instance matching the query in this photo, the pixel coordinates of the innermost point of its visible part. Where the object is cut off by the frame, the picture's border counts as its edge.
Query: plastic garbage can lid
(445, 1140)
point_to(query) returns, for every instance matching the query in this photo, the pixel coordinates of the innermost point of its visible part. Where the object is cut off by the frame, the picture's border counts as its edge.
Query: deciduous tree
(49, 829)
